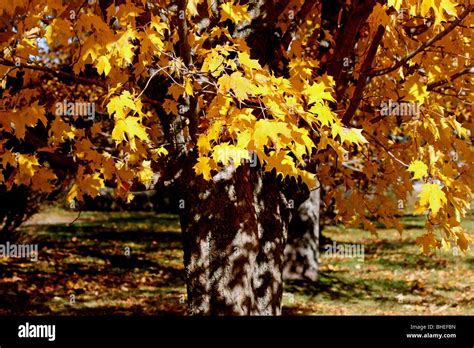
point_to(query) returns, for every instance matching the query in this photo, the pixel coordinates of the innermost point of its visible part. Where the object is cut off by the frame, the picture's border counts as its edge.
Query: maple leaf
(41, 180)
(416, 90)
(432, 197)
(91, 183)
(225, 152)
(27, 117)
(27, 167)
(74, 194)
(213, 63)
(379, 16)
(238, 83)
(397, 4)
(419, 169)
(350, 135)
(120, 104)
(203, 167)
(130, 128)
(103, 65)
(122, 48)
(318, 92)
(265, 129)
(189, 87)
(246, 61)
(192, 7)
(145, 174)
(236, 13)
(161, 151)
(438, 6)
(427, 241)
(324, 114)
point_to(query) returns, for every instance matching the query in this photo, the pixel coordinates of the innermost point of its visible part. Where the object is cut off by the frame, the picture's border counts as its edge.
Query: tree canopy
(109, 93)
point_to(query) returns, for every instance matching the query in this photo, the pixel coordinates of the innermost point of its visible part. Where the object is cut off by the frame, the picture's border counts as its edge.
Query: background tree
(193, 90)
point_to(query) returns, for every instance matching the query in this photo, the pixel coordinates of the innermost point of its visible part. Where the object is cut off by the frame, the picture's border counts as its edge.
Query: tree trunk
(234, 230)
(302, 248)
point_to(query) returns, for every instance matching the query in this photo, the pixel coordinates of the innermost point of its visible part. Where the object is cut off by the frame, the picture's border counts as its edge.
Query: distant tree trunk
(302, 248)
(234, 229)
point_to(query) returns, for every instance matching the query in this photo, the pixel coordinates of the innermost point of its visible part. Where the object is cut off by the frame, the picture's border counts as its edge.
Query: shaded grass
(130, 263)
(393, 278)
(105, 263)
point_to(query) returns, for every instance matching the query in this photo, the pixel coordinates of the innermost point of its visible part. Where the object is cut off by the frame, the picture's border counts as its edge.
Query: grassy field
(83, 270)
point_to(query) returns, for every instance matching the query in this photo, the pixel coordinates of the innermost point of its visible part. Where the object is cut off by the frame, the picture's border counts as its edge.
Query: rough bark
(234, 233)
(302, 248)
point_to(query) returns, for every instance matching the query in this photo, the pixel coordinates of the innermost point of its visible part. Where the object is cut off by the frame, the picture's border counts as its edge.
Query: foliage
(179, 78)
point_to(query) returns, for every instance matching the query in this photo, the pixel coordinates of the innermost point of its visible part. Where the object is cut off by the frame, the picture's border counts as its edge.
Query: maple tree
(192, 91)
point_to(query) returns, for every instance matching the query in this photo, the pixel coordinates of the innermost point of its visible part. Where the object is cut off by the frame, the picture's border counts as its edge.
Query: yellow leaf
(236, 13)
(318, 92)
(27, 117)
(161, 151)
(419, 169)
(224, 153)
(73, 194)
(119, 105)
(123, 48)
(462, 241)
(431, 197)
(189, 87)
(103, 65)
(416, 90)
(213, 63)
(91, 183)
(192, 7)
(351, 135)
(130, 127)
(323, 113)
(145, 174)
(202, 167)
(397, 4)
(238, 83)
(265, 129)
(27, 168)
(244, 59)
(378, 16)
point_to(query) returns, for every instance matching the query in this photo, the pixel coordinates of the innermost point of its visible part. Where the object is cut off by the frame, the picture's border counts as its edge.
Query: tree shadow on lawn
(470, 262)
(334, 287)
(92, 257)
(334, 290)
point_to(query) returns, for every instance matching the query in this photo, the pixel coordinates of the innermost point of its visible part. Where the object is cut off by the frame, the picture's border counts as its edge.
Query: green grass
(88, 260)
(393, 279)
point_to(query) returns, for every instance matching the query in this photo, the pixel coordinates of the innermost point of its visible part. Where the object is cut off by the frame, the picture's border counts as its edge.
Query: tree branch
(422, 47)
(360, 11)
(433, 85)
(185, 54)
(62, 74)
(297, 21)
(363, 77)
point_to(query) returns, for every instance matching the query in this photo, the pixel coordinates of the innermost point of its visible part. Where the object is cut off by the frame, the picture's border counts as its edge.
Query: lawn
(131, 263)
